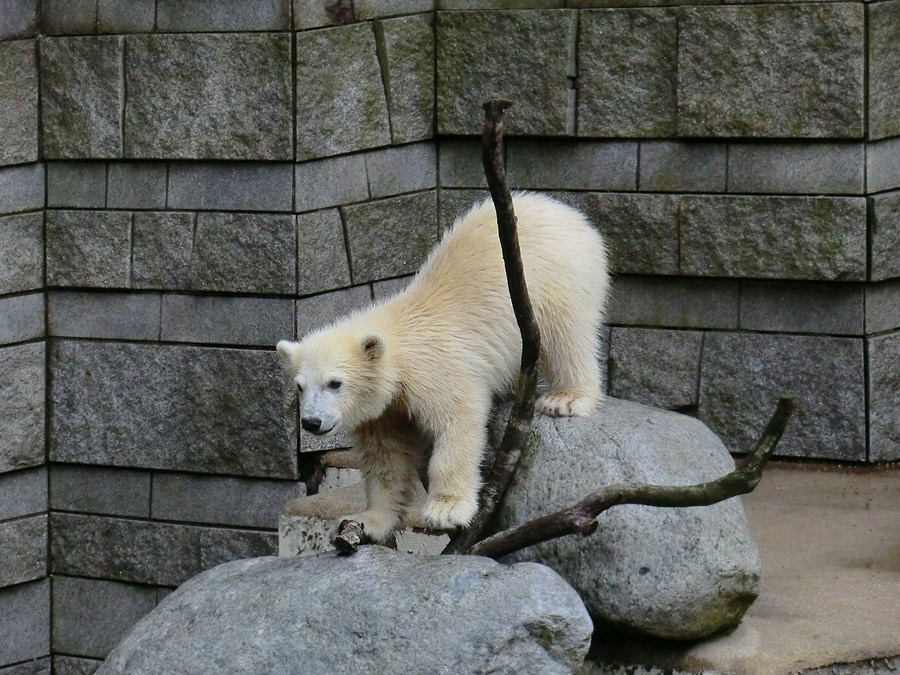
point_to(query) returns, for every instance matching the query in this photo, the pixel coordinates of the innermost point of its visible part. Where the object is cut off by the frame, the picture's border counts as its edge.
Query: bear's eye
(335, 384)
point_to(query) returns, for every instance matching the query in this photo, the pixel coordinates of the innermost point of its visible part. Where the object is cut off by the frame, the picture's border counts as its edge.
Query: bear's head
(342, 379)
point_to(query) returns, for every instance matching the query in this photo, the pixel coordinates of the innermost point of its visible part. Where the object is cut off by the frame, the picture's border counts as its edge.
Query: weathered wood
(351, 534)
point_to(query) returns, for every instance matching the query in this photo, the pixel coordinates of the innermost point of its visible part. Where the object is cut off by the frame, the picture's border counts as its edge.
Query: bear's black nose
(312, 424)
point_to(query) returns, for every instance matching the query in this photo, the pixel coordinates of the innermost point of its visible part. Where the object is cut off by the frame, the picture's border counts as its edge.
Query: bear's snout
(311, 424)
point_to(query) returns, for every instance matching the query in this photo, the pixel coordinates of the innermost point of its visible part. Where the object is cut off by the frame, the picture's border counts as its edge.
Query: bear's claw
(563, 404)
(443, 512)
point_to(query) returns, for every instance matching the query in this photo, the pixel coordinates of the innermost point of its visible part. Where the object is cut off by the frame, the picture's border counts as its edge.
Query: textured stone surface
(408, 45)
(221, 545)
(682, 166)
(884, 397)
(19, 19)
(804, 168)
(406, 168)
(373, 9)
(169, 407)
(455, 204)
(390, 287)
(82, 96)
(655, 367)
(133, 16)
(90, 616)
(173, 16)
(330, 182)
(883, 165)
(117, 316)
(392, 236)
(224, 320)
(21, 252)
(743, 374)
(21, 318)
(230, 186)
(21, 188)
(524, 56)
(884, 69)
(74, 665)
(318, 13)
(783, 71)
(800, 307)
(471, 612)
(337, 478)
(882, 306)
(61, 17)
(18, 101)
(677, 303)
(23, 493)
(76, 184)
(341, 104)
(627, 72)
(884, 231)
(24, 546)
(572, 165)
(321, 254)
(35, 667)
(460, 163)
(88, 248)
(223, 96)
(815, 238)
(25, 621)
(162, 244)
(22, 406)
(91, 489)
(675, 573)
(318, 310)
(137, 186)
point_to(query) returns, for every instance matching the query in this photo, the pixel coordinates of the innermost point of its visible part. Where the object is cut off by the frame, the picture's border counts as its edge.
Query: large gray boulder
(378, 611)
(674, 573)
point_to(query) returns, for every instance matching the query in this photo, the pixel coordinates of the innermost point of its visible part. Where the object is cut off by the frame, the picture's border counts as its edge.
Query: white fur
(422, 367)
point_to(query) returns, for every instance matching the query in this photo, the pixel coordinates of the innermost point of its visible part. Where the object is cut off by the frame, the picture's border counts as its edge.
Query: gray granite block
(24, 546)
(230, 186)
(137, 186)
(74, 665)
(339, 441)
(405, 168)
(226, 320)
(116, 316)
(219, 545)
(883, 357)
(375, 9)
(682, 166)
(321, 253)
(776, 71)
(341, 102)
(813, 238)
(21, 188)
(883, 165)
(19, 19)
(174, 16)
(171, 407)
(319, 13)
(88, 248)
(21, 252)
(674, 302)
(803, 168)
(18, 101)
(460, 163)
(455, 204)
(572, 165)
(408, 55)
(882, 306)
(64, 17)
(503, 4)
(22, 406)
(102, 490)
(802, 307)
(220, 500)
(76, 184)
(743, 375)
(319, 310)
(523, 56)
(25, 621)
(884, 233)
(390, 287)
(330, 182)
(23, 493)
(40, 666)
(21, 318)
(392, 236)
(162, 244)
(243, 112)
(126, 16)
(90, 616)
(627, 72)
(82, 94)
(884, 69)
(655, 367)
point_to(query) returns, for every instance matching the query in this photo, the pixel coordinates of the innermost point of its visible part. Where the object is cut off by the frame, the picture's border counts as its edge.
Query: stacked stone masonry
(185, 182)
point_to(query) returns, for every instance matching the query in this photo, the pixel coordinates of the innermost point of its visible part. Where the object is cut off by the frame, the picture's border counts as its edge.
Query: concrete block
(460, 163)
(24, 546)
(627, 72)
(883, 165)
(773, 71)
(23, 493)
(322, 263)
(390, 287)
(171, 407)
(376, 9)
(218, 545)
(341, 102)
(137, 186)
(226, 320)
(102, 490)
(675, 303)
(66, 17)
(572, 165)
(18, 101)
(330, 182)
(340, 440)
(40, 666)
(21, 252)
(336, 477)
(392, 236)
(88, 248)
(25, 621)
(318, 13)
(21, 318)
(405, 168)
(21, 188)
(882, 306)
(19, 19)
(191, 16)
(655, 367)
(884, 232)
(455, 204)
(743, 374)
(802, 168)
(883, 355)
(246, 115)
(82, 122)
(117, 316)
(503, 4)
(682, 166)
(74, 665)
(884, 69)
(407, 45)
(76, 184)
(523, 56)
(90, 616)
(421, 542)
(729, 236)
(802, 307)
(318, 310)
(162, 244)
(126, 16)
(307, 525)
(22, 397)
(230, 187)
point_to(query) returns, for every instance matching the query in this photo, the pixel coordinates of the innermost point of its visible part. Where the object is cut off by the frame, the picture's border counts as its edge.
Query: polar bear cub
(420, 369)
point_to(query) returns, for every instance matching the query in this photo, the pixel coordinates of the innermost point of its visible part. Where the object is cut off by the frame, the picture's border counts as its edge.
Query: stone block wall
(184, 182)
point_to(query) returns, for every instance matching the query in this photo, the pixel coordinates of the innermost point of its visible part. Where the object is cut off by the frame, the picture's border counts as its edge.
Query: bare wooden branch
(519, 425)
(581, 518)
(349, 537)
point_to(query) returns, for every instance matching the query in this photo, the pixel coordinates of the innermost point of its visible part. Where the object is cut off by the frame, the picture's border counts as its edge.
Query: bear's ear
(286, 350)
(372, 344)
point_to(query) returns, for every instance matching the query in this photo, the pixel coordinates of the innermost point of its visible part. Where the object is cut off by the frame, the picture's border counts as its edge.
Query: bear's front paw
(445, 512)
(378, 527)
(566, 404)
